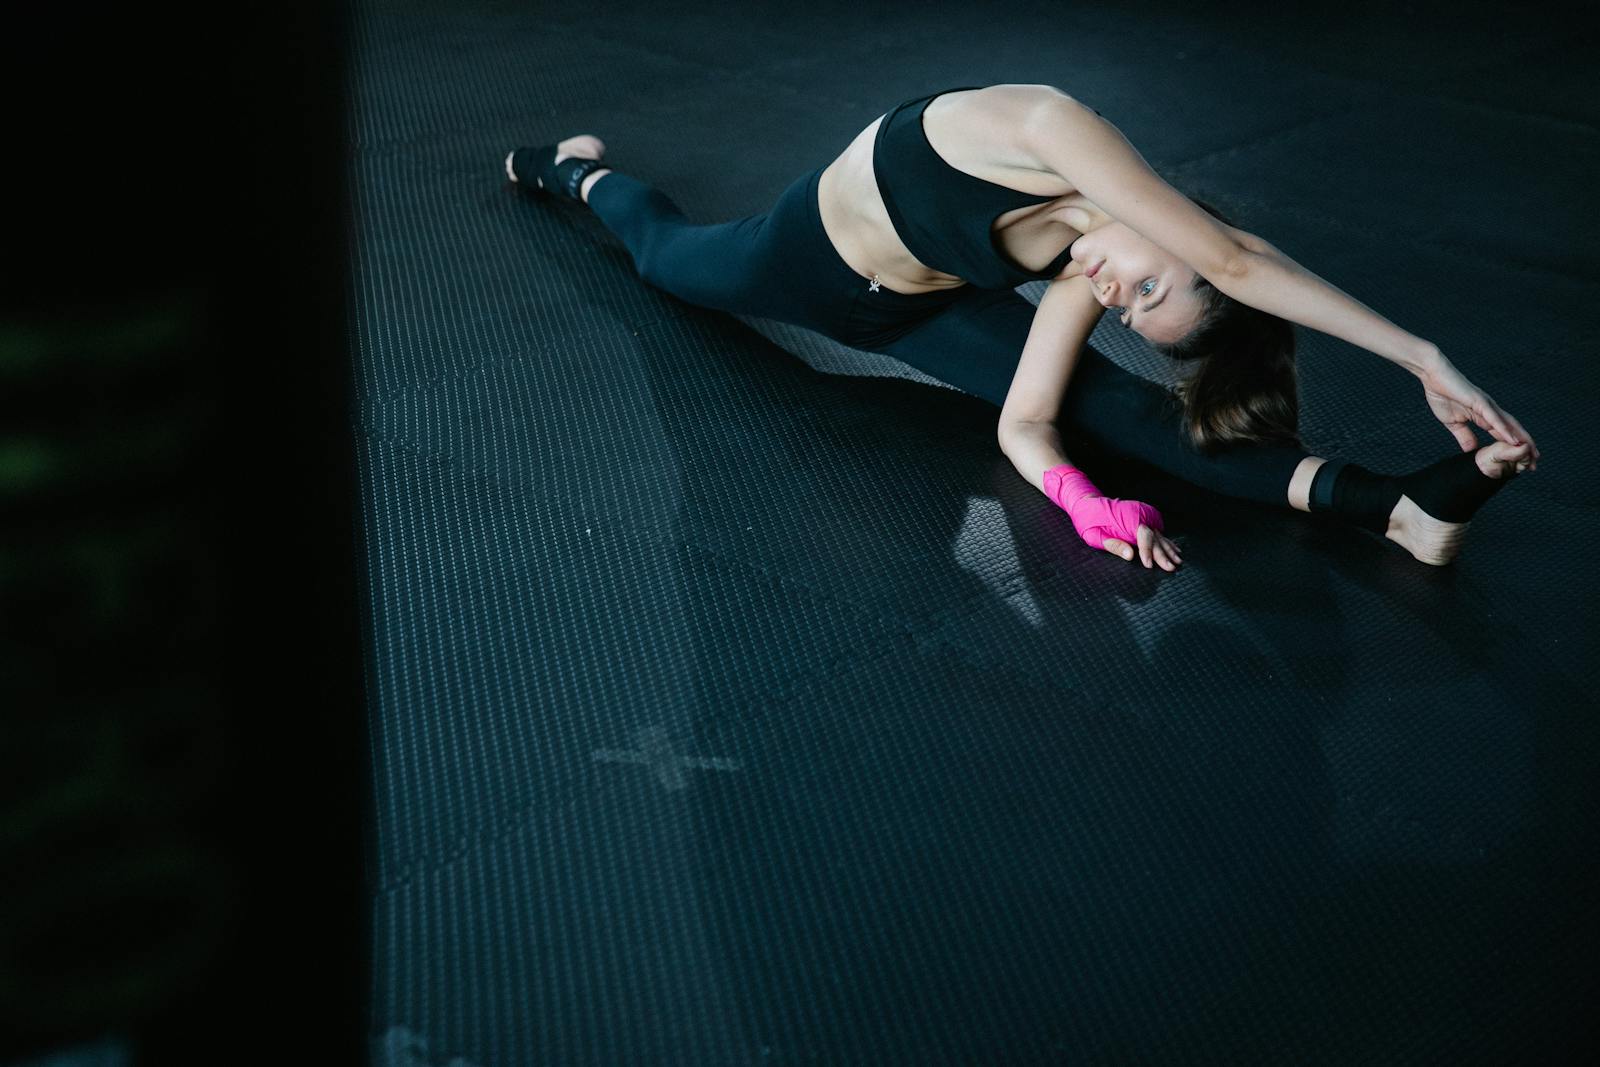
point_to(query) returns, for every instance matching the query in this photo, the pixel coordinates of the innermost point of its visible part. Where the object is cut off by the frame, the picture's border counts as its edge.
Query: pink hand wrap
(1097, 517)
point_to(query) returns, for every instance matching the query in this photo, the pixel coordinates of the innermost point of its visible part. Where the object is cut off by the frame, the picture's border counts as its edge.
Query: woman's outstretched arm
(1073, 142)
(1268, 280)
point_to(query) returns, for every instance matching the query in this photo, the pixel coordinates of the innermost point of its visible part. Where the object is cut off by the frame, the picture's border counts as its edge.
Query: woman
(912, 241)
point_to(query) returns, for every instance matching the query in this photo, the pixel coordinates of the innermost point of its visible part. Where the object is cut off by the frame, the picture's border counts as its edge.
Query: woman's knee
(665, 264)
(1101, 393)
(681, 276)
(652, 265)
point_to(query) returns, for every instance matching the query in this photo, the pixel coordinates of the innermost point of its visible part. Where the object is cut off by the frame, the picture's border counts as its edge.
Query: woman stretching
(911, 244)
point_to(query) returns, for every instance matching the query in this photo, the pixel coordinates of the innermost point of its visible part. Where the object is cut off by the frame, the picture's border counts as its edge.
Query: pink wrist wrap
(1097, 517)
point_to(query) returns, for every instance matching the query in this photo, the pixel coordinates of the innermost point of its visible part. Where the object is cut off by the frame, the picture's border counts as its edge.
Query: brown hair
(1243, 386)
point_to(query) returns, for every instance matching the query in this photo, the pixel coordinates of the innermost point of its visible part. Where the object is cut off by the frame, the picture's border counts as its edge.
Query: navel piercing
(872, 286)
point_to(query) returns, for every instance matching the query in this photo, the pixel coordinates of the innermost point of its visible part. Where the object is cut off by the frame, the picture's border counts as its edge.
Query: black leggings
(780, 265)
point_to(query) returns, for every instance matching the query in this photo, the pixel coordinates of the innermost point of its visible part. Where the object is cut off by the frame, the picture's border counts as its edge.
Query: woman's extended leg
(976, 343)
(772, 265)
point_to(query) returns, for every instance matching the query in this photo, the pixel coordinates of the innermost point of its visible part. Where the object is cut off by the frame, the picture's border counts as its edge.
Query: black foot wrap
(537, 172)
(1451, 490)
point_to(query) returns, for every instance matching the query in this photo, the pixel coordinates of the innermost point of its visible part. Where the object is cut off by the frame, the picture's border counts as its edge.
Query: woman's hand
(1457, 402)
(1106, 522)
(1154, 548)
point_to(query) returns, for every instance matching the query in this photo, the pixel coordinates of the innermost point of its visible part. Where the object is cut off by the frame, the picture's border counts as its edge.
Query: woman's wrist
(1032, 448)
(1067, 486)
(1425, 356)
(1096, 517)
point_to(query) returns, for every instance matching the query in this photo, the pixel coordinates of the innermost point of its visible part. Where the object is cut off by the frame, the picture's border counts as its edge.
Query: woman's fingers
(1156, 550)
(1173, 553)
(1497, 423)
(1520, 435)
(1518, 459)
(1119, 548)
(1147, 544)
(1460, 405)
(1503, 426)
(1153, 550)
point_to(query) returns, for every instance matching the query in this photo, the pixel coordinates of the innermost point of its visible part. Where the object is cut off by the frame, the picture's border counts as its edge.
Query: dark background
(181, 736)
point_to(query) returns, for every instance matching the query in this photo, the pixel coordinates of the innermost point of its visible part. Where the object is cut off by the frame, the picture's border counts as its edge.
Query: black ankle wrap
(537, 173)
(570, 173)
(1450, 490)
(1358, 494)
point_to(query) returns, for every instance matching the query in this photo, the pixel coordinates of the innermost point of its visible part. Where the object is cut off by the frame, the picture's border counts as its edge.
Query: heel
(1430, 540)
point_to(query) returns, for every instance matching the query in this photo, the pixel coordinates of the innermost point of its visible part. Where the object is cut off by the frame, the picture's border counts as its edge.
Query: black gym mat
(735, 702)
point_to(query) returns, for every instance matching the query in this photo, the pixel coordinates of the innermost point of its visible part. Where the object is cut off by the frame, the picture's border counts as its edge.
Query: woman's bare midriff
(858, 225)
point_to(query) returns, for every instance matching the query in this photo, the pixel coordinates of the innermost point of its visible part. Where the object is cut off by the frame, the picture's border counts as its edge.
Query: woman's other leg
(707, 265)
(777, 265)
(716, 266)
(976, 343)
(761, 265)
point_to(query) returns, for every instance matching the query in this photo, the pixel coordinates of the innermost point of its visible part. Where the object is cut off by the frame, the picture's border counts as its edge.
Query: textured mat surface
(734, 700)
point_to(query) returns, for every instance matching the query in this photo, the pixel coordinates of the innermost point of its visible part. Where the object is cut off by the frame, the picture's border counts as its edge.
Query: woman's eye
(1151, 282)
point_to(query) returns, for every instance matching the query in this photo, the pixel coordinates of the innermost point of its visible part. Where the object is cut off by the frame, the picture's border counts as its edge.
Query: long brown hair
(1243, 386)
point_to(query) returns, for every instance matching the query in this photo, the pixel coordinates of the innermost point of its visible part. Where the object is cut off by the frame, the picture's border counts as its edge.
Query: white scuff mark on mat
(399, 1047)
(656, 751)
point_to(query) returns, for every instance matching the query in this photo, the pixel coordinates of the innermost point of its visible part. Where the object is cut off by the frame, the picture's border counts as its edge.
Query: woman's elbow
(1014, 431)
(1005, 433)
(1229, 270)
(1234, 263)
(1247, 250)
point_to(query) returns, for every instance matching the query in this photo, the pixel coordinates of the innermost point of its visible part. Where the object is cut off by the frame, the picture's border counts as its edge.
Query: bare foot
(584, 146)
(1434, 541)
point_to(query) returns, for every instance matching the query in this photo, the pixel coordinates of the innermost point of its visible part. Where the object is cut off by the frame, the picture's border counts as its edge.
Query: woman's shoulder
(1003, 110)
(979, 129)
(1024, 95)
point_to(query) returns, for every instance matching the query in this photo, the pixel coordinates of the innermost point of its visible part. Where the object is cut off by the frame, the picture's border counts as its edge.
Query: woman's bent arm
(1028, 435)
(1028, 421)
(1061, 325)
(1065, 318)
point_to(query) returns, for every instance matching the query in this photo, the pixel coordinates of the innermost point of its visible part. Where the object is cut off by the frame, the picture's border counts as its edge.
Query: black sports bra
(945, 217)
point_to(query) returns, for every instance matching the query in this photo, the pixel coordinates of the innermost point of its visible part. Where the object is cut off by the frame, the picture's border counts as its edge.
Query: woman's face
(1150, 286)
